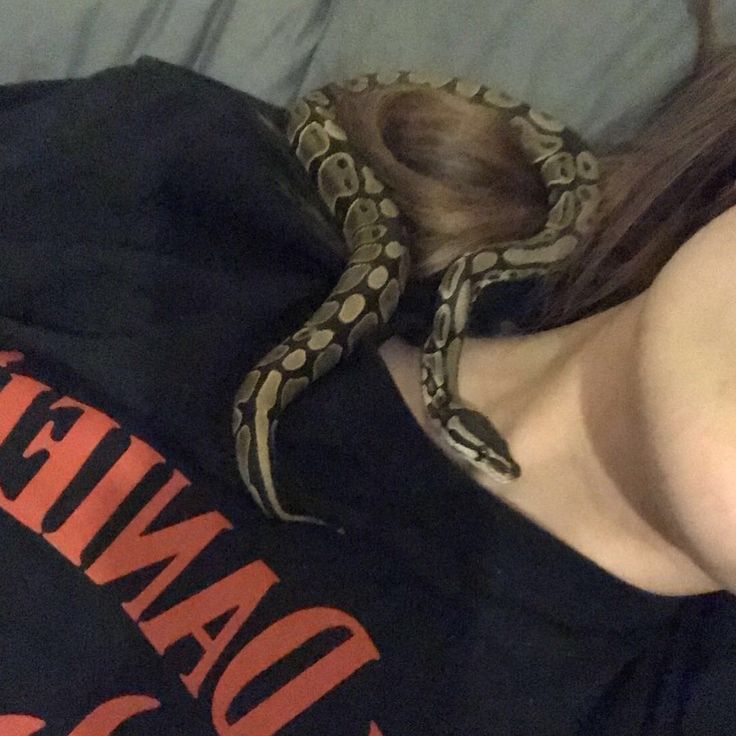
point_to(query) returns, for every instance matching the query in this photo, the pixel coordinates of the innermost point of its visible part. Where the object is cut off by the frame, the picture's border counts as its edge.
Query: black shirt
(156, 239)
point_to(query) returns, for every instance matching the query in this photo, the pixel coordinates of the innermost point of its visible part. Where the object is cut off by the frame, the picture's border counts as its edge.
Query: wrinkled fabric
(156, 238)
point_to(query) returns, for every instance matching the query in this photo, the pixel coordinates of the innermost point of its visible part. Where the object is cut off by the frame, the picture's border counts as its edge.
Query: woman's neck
(566, 401)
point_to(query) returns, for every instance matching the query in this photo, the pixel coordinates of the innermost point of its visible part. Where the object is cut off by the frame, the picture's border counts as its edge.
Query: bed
(601, 66)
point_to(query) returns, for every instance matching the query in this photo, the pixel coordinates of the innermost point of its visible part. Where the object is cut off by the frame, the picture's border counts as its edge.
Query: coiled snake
(376, 274)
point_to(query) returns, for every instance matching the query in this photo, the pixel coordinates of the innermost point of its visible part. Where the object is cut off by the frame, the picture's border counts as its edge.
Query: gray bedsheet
(600, 65)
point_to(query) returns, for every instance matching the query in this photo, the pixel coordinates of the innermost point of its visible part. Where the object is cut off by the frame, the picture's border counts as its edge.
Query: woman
(157, 237)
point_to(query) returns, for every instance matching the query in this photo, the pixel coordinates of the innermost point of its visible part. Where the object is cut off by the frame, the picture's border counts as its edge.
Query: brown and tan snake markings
(376, 273)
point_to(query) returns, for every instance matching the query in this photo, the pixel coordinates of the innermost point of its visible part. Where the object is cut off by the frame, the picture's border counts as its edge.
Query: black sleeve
(158, 237)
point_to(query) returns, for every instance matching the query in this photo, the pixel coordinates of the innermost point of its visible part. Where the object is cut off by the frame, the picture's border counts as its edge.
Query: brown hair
(462, 182)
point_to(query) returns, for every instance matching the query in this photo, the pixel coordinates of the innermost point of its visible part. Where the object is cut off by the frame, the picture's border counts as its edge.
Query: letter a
(270, 646)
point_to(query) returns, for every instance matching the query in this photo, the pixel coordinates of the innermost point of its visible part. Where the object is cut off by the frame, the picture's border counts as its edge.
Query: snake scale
(376, 273)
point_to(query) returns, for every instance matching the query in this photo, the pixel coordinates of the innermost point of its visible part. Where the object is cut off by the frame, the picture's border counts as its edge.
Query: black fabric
(156, 238)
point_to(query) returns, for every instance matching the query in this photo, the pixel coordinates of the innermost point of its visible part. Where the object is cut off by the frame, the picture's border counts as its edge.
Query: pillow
(260, 47)
(598, 65)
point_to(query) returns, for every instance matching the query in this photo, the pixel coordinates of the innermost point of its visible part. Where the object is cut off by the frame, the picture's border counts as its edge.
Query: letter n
(178, 545)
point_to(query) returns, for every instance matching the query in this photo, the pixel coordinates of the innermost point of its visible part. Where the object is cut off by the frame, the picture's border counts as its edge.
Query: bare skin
(624, 423)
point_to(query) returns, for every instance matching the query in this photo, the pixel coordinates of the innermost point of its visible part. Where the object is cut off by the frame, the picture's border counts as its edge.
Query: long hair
(462, 182)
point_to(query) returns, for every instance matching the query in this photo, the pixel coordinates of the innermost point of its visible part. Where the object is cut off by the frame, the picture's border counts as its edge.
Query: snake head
(503, 469)
(473, 435)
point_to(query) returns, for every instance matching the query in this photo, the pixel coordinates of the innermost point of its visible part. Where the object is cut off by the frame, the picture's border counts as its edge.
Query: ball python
(377, 270)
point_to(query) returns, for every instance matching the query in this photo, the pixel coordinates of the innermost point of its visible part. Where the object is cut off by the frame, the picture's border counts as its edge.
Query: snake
(378, 267)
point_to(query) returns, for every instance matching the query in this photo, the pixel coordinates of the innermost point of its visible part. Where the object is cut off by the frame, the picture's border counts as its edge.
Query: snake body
(377, 270)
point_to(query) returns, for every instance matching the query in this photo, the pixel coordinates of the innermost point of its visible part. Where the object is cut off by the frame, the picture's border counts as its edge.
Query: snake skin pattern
(376, 274)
